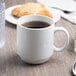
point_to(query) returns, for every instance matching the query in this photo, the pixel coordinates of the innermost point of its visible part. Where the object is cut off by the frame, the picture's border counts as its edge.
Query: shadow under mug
(36, 46)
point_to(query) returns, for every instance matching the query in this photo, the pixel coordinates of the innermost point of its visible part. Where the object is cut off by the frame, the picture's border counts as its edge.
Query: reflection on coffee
(35, 24)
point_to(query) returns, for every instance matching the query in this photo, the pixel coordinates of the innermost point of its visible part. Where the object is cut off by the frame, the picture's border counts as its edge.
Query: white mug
(36, 45)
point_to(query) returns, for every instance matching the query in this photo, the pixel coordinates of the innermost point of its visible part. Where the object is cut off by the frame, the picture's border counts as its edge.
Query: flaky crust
(31, 8)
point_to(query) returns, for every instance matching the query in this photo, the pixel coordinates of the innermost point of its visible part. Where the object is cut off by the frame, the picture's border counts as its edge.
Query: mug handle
(67, 40)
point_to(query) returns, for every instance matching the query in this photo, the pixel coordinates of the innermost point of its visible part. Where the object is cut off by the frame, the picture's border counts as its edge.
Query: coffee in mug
(35, 24)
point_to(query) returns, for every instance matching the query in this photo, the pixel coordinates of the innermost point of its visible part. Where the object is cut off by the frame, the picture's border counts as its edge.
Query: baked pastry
(31, 8)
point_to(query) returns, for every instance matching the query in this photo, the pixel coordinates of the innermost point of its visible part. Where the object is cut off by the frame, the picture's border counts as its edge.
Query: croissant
(31, 8)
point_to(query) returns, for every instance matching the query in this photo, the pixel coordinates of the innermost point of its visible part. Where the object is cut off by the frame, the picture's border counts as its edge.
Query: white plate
(13, 20)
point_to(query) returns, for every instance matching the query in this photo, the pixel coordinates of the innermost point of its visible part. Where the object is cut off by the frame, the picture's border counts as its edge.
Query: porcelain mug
(36, 46)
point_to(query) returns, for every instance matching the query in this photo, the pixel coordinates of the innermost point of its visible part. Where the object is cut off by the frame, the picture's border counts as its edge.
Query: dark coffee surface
(35, 24)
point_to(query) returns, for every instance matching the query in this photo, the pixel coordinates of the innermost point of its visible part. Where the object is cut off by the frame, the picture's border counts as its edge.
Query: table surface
(59, 64)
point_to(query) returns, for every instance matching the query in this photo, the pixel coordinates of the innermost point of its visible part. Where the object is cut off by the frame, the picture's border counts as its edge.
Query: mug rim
(51, 23)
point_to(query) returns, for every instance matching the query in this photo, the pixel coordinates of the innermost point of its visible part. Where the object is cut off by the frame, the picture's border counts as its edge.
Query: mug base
(36, 61)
